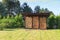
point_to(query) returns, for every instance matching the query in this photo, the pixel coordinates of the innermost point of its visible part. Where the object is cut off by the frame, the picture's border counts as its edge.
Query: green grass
(29, 34)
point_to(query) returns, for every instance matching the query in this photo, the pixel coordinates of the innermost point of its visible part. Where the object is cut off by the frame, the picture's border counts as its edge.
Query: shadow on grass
(10, 29)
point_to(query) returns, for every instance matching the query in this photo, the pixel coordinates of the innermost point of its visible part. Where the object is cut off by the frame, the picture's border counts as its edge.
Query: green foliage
(51, 21)
(8, 16)
(11, 22)
(12, 5)
(58, 21)
(26, 8)
(37, 9)
(18, 19)
(0, 16)
(2, 9)
(42, 10)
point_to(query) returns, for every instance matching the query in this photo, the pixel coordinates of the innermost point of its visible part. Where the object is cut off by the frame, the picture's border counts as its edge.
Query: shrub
(3, 25)
(19, 20)
(11, 22)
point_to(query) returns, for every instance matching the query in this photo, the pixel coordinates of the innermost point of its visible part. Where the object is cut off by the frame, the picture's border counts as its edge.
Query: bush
(58, 22)
(19, 20)
(11, 22)
(2, 26)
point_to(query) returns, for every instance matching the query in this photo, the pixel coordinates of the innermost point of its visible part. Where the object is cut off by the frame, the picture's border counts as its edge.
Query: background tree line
(12, 9)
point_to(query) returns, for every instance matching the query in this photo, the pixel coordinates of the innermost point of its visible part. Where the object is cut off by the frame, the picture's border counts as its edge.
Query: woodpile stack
(36, 21)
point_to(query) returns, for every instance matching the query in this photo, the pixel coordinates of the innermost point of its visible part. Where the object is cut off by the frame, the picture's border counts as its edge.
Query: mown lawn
(29, 34)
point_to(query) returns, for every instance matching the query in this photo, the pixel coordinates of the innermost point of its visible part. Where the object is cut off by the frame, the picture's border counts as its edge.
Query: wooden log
(35, 22)
(43, 23)
(28, 22)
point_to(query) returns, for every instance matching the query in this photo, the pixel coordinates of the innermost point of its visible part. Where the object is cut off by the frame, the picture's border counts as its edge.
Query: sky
(52, 5)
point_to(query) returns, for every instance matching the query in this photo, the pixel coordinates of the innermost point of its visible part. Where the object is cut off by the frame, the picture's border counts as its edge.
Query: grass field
(29, 34)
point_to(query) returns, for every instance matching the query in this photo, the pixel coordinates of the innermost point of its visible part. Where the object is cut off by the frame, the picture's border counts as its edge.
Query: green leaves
(58, 21)
(53, 21)
(26, 8)
(39, 10)
(12, 22)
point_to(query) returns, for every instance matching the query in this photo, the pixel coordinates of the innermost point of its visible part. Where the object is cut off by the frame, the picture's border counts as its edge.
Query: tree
(13, 6)
(26, 8)
(46, 10)
(58, 21)
(42, 10)
(2, 9)
(37, 9)
(4, 1)
(51, 21)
